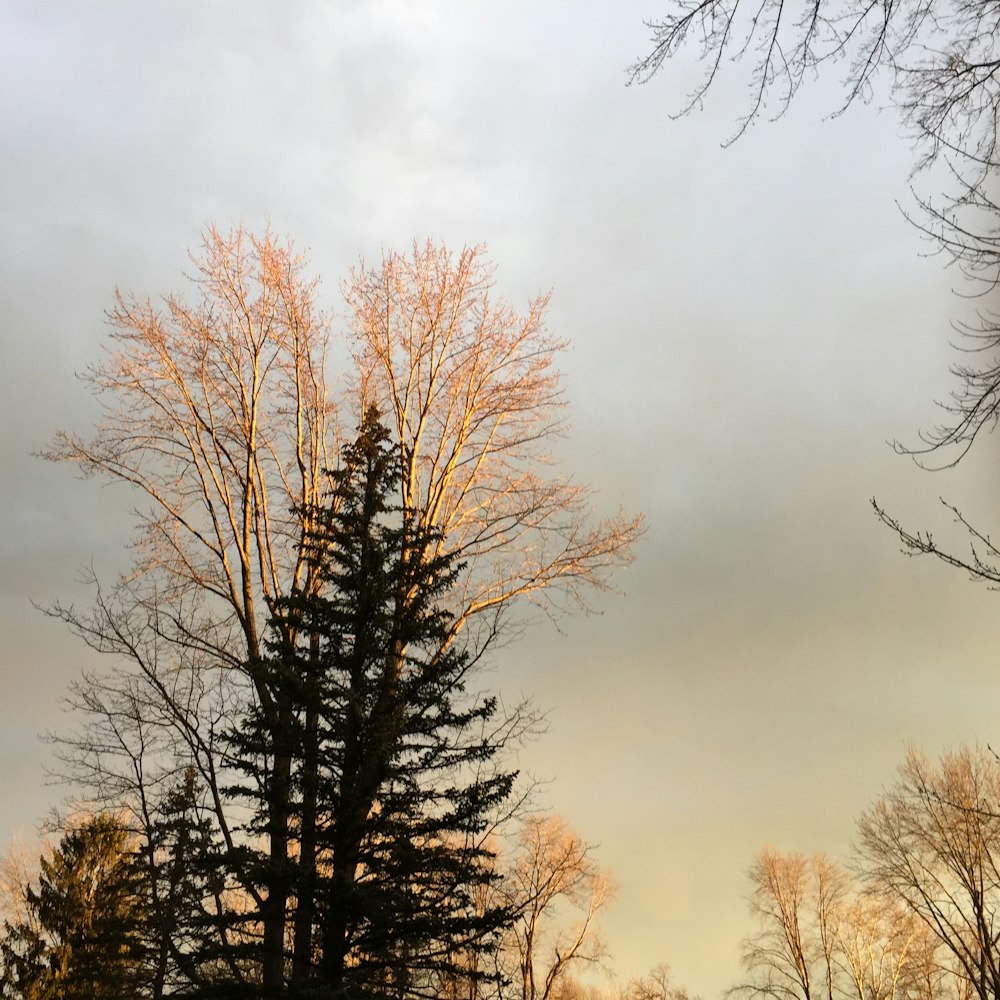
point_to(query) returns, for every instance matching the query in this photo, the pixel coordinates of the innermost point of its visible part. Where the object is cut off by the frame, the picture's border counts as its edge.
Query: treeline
(90, 923)
(914, 915)
(299, 786)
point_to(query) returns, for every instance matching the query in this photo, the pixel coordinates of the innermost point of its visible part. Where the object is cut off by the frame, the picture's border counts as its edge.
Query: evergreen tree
(397, 772)
(178, 865)
(84, 937)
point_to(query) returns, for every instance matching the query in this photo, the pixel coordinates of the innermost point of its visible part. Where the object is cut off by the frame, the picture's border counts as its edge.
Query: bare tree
(471, 389)
(820, 937)
(941, 63)
(941, 59)
(571, 988)
(216, 412)
(657, 984)
(557, 892)
(18, 866)
(794, 900)
(885, 952)
(933, 842)
(217, 415)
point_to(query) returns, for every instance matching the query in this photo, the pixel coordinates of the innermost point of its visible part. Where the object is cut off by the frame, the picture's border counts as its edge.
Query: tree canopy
(85, 931)
(288, 717)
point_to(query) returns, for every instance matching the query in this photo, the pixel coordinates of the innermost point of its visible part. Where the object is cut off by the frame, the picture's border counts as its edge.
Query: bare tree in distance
(550, 880)
(822, 935)
(557, 891)
(793, 900)
(657, 984)
(217, 415)
(933, 842)
(17, 868)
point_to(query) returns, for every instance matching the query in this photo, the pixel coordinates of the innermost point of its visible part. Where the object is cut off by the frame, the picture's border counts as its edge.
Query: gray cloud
(748, 327)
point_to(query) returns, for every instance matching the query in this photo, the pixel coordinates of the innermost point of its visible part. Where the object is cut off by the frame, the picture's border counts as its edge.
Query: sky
(749, 326)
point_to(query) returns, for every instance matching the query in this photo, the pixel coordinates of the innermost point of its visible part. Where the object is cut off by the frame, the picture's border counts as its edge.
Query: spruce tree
(178, 864)
(397, 771)
(84, 936)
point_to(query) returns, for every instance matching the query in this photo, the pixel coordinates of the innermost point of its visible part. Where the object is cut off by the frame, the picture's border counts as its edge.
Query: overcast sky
(748, 327)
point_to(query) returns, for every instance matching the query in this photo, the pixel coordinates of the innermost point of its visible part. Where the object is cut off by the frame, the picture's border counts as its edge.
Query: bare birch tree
(216, 413)
(557, 892)
(822, 937)
(793, 900)
(884, 952)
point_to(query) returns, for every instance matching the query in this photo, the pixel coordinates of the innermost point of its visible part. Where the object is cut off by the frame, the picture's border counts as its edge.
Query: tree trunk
(305, 911)
(276, 904)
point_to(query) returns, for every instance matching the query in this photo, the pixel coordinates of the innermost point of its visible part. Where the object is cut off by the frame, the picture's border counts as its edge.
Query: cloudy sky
(748, 327)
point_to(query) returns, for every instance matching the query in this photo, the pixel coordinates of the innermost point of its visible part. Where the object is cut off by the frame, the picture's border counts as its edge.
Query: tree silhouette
(397, 767)
(216, 413)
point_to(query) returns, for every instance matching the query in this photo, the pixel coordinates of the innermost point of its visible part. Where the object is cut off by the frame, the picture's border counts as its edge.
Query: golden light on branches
(218, 417)
(471, 387)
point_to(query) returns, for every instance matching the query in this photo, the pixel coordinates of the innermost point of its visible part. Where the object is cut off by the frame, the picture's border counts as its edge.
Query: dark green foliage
(84, 938)
(395, 776)
(179, 865)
